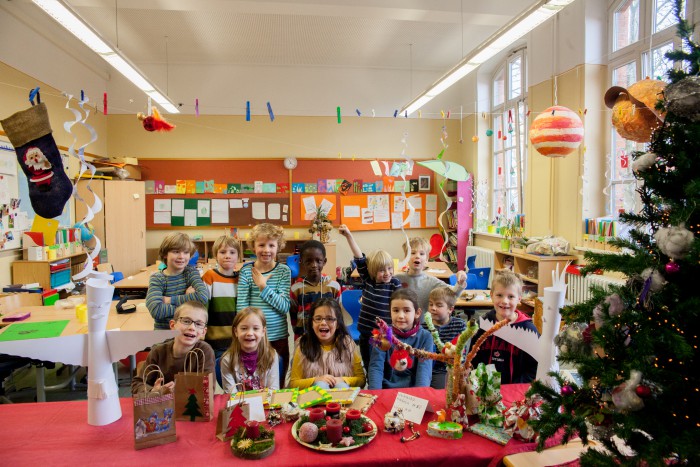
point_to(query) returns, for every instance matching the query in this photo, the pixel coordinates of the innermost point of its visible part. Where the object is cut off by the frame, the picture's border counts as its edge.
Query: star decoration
(347, 441)
(244, 444)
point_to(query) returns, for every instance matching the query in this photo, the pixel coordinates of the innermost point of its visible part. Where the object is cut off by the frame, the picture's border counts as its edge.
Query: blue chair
(471, 262)
(350, 300)
(482, 278)
(293, 263)
(217, 372)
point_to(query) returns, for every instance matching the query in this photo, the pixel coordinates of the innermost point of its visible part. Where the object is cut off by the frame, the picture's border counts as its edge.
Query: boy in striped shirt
(377, 274)
(441, 304)
(265, 284)
(221, 284)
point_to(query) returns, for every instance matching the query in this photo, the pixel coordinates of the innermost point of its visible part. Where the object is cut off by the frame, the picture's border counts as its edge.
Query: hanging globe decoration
(556, 132)
(634, 113)
(87, 231)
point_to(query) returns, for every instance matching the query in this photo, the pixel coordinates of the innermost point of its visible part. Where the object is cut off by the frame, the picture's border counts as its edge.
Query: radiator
(578, 289)
(484, 259)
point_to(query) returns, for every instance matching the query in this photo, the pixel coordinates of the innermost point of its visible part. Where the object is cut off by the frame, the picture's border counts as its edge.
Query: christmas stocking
(29, 132)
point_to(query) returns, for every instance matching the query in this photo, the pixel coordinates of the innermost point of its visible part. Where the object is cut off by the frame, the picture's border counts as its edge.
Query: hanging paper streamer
(337, 111)
(34, 93)
(150, 106)
(196, 107)
(357, 111)
(269, 110)
(405, 114)
(247, 111)
(373, 114)
(81, 117)
(104, 103)
(396, 112)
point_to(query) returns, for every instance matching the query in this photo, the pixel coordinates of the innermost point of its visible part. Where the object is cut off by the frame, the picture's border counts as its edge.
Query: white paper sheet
(367, 216)
(351, 211)
(416, 202)
(219, 217)
(235, 203)
(396, 220)
(190, 217)
(430, 219)
(431, 202)
(258, 210)
(273, 211)
(326, 206)
(381, 215)
(375, 168)
(413, 407)
(414, 222)
(161, 205)
(219, 205)
(203, 208)
(161, 217)
(399, 204)
(309, 207)
(258, 187)
(178, 207)
(170, 189)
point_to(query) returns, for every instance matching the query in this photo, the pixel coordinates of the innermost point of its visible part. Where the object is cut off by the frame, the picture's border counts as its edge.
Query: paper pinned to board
(258, 210)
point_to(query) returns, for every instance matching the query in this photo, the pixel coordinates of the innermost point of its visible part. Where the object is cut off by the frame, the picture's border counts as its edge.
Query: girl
(326, 355)
(250, 359)
(384, 372)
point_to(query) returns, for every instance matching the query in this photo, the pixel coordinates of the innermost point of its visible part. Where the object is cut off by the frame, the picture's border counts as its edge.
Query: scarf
(411, 332)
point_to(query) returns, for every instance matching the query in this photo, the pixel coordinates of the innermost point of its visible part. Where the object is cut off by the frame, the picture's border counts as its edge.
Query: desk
(138, 283)
(484, 302)
(435, 268)
(59, 435)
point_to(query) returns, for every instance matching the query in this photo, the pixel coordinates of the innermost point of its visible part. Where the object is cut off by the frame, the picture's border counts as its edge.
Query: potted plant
(510, 232)
(321, 225)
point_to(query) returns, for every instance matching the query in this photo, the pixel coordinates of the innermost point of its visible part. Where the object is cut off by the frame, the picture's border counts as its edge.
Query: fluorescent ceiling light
(502, 39)
(69, 20)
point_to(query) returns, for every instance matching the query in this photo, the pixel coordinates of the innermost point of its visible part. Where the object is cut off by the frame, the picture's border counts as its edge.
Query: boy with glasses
(190, 321)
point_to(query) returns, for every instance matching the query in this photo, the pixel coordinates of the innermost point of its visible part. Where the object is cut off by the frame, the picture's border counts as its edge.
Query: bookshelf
(49, 274)
(458, 221)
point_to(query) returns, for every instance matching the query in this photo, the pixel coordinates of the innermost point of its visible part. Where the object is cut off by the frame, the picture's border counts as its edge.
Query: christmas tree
(236, 420)
(192, 406)
(640, 395)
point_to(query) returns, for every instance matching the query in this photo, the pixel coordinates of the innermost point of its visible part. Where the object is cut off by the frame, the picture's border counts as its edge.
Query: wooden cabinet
(30, 272)
(532, 269)
(121, 225)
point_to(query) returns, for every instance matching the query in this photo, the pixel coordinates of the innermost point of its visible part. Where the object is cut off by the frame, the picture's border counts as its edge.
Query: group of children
(240, 317)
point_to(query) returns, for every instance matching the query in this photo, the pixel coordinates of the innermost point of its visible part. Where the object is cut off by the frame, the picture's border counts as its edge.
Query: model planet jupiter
(556, 132)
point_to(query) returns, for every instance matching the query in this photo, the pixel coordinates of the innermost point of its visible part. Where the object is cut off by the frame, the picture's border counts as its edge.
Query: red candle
(353, 414)
(316, 414)
(334, 430)
(333, 409)
(252, 429)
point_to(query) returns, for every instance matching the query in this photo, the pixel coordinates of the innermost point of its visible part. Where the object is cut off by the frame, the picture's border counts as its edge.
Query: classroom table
(435, 268)
(57, 433)
(138, 283)
(474, 299)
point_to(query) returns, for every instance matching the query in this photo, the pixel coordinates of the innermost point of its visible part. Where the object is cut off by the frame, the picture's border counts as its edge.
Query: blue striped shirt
(375, 299)
(447, 332)
(273, 300)
(161, 285)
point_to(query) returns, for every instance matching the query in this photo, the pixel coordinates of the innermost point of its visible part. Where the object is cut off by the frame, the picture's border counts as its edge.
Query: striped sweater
(273, 300)
(161, 285)
(375, 299)
(222, 307)
(447, 332)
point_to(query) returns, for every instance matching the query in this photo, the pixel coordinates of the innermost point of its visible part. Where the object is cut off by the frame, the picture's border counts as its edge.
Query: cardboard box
(33, 253)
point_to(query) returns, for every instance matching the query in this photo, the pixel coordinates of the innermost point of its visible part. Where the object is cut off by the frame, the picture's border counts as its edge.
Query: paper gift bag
(232, 417)
(194, 390)
(154, 423)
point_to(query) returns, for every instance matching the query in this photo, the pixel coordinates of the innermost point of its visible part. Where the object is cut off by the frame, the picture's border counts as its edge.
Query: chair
(350, 300)
(471, 262)
(293, 263)
(482, 278)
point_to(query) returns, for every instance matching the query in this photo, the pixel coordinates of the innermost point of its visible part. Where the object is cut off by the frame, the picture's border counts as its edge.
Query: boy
(177, 283)
(312, 286)
(515, 365)
(441, 305)
(265, 284)
(420, 282)
(377, 274)
(221, 285)
(190, 320)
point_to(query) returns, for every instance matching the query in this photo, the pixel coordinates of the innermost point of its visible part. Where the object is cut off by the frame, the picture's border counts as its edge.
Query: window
(642, 31)
(509, 136)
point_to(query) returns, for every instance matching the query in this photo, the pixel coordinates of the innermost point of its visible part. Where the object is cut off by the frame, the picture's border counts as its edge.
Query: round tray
(253, 455)
(315, 447)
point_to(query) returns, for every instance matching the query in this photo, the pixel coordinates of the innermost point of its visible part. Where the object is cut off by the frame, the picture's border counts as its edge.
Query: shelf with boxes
(50, 273)
(534, 270)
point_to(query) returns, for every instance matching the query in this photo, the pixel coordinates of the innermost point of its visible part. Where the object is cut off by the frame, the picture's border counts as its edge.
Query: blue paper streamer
(357, 111)
(269, 110)
(247, 111)
(35, 93)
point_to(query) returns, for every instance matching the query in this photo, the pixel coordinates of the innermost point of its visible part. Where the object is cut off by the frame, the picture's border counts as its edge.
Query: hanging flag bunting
(357, 111)
(510, 121)
(247, 111)
(405, 114)
(196, 107)
(34, 93)
(396, 112)
(373, 113)
(104, 103)
(337, 111)
(269, 110)
(448, 114)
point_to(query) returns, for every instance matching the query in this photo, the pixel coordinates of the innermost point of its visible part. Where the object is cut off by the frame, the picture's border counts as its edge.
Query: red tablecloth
(57, 433)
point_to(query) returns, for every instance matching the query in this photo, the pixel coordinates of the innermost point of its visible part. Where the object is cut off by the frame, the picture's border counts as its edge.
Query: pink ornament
(567, 390)
(556, 132)
(672, 267)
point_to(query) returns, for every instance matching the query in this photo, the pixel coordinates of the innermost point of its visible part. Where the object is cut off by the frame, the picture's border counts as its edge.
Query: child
(376, 273)
(265, 284)
(441, 305)
(221, 285)
(312, 286)
(250, 360)
(190, 320)
(326, 355)
(420, 282)
(177, 283)
(515, 365)
(405, 322)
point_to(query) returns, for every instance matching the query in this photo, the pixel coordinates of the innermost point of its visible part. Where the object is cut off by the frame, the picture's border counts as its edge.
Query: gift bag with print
(194, 390)
(154, 421)
(232, 417)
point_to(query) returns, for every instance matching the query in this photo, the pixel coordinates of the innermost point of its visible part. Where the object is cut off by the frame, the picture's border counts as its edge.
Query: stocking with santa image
(29, 132)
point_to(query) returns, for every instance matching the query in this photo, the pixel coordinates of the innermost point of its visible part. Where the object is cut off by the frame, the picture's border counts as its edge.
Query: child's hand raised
(461, 278)
(344, 231)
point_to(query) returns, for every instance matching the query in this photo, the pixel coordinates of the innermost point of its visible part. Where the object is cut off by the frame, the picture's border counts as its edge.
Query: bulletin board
(366, 212)
(425, 215)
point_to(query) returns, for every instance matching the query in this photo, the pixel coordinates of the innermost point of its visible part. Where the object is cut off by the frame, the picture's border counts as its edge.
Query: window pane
(515, 74)
(626, 25)
(625, 75)
(512, 168)
(499, 93)
(499, 203)
(659, 63)
(623, 197)
(663, 15)
(512, 204)
(622, 164)
(499, 172)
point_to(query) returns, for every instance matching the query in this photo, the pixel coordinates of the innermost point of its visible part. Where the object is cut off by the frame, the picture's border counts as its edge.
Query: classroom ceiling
(305, 57)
